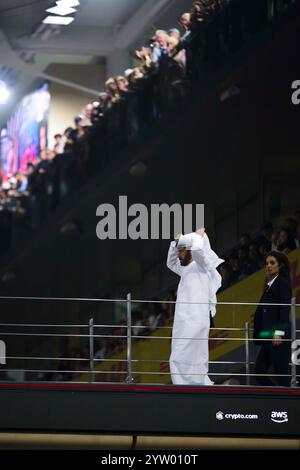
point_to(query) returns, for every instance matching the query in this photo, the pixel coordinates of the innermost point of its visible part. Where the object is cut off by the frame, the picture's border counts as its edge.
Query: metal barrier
(132, 334)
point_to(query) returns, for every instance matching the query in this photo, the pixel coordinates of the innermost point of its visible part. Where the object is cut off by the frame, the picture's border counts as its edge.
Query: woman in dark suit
(273, 322)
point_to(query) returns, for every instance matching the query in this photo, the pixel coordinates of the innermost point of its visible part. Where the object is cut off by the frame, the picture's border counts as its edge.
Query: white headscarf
(186, 242)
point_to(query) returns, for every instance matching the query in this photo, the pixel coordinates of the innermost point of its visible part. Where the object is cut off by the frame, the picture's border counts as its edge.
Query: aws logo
(279, 416)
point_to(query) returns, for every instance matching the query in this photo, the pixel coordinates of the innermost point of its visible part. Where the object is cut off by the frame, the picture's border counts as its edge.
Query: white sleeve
(173, 262)
(208, 260)
(203, 254)
(198, 252)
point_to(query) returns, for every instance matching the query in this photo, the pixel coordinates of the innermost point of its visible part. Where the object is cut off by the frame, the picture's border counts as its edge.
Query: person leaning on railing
(272, 323)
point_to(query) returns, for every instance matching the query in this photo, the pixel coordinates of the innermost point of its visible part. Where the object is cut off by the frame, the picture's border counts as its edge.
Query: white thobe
(196, 299)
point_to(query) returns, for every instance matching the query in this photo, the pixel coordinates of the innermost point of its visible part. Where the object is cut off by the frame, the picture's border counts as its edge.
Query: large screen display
(25, 133)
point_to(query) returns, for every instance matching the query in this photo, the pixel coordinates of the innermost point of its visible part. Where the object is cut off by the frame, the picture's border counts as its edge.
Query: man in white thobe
(192, 258)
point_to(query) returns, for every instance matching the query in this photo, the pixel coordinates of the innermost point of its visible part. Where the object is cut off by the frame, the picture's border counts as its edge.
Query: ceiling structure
(103, 31)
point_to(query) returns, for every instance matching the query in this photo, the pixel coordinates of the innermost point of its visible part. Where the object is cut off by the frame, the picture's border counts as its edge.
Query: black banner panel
(153, 410)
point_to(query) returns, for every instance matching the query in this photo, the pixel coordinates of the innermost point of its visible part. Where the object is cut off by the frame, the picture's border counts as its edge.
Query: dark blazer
(274, 317)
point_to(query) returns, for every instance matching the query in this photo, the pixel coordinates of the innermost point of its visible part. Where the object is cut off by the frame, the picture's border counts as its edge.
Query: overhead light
(60, 20)
(61, 10)
(4, 92)
(68, 3)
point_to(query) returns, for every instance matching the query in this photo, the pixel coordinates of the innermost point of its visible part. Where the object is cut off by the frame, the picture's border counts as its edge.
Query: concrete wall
(67, 102)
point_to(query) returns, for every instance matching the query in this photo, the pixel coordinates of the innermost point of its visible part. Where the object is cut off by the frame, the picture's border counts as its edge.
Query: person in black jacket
(273, 323)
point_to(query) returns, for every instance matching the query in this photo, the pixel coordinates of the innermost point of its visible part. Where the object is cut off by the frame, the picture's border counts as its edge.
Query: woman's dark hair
(282, 261)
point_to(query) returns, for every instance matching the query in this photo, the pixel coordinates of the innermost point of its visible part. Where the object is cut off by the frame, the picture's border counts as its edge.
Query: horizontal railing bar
(109, 360)
(59, 335)
(43, 325)
(36, 325)
(46, 371)
(73, 299)
(205, 339)
(142, 372)
(15, 358)
(46, 334)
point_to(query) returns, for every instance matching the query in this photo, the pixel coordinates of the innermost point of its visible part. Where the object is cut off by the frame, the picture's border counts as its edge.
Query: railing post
(247, 351)
(91, 350)
(129, 340)
(293, 338)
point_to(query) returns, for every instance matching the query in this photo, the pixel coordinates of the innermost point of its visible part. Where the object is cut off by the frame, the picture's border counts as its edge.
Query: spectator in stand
(58, 144)
(265, 236)
(111, 89)
(199, 14)
(101, 348)
(144, 54)
(248, 267)
(119, 340)
(122, 85)
(286, 242)
(22, 185)
(86, 114)
(137, 324)
(134, 77)
(191, 42)
(274, 239)
(185, 23)
(174, 33)
(102, 107)
(255, 255)
(245, 240)
(264, 249)
(235, 265)
(160, 48)
(180, 57)
(225, 273)
(66, 141)
(290, 224)
(78, 132)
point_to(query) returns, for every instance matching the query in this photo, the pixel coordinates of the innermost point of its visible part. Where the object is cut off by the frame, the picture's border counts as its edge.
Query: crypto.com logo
(296, 352)
(161, 222)
(2, 352)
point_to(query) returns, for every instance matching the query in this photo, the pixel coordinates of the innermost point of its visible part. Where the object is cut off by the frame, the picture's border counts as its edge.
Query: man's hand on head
(201, 231)
(177, 238)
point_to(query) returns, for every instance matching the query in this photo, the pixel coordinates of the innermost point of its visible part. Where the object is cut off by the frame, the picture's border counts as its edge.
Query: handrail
(140, 301)
(124, 366)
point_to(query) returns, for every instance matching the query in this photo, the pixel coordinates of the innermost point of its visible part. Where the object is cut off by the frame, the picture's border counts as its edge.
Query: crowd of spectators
(166, 70)
(249, 255)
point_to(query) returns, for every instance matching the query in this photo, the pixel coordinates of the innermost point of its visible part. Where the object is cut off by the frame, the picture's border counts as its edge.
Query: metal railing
(85, 368)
